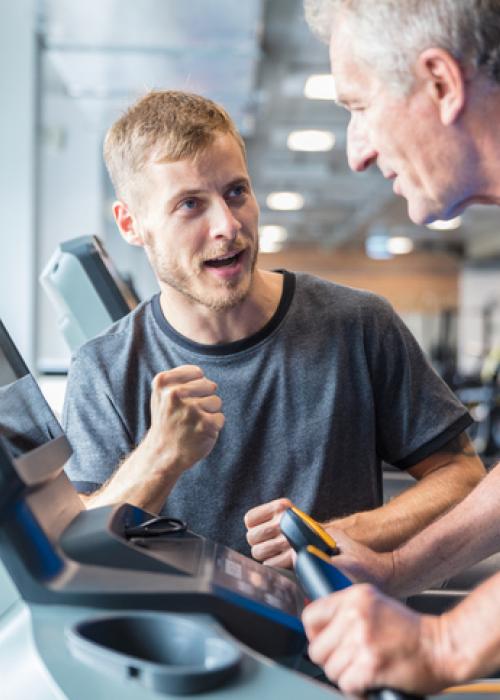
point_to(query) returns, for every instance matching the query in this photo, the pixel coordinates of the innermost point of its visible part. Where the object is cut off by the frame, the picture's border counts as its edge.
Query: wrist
(447, 662)
(359, 528)
(161, 459)
(395, 578)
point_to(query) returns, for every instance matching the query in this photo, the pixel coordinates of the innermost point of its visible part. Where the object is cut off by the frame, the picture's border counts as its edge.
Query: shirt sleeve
(417, 413)
(93, 425)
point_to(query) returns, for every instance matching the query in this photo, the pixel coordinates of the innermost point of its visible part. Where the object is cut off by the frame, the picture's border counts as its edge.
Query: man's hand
(270, 546)
(186, 416)
(360, 563)
(264, 535)
(364, 640)
(186, 419)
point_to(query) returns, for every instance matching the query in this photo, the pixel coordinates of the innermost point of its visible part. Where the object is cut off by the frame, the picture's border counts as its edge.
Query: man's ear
(127, 224)
(445, 80)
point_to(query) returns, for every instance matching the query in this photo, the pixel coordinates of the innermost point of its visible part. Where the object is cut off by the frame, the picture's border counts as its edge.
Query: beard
(219, 295)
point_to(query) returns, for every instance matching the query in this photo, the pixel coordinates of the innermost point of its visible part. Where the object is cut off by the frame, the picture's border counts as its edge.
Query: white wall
(18, 58)
(70, 195)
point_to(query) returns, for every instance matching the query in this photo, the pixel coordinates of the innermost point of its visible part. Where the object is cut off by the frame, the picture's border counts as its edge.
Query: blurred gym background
(68, 70)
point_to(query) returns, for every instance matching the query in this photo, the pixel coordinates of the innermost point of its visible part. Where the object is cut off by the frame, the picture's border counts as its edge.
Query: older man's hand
(364, 640)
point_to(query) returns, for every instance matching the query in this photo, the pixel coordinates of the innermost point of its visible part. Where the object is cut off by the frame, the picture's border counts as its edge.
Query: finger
(184, 373)
(176, 399)
(193, 388)
(282, 561)
(210, 404)
(332, 639)
(319, 613)
(265, 532)
(213, 423)
(271, 548)
(266, 511)
(355, 678)
(342, 664)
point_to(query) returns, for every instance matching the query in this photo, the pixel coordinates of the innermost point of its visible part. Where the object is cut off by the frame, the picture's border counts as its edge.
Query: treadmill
(90, 603)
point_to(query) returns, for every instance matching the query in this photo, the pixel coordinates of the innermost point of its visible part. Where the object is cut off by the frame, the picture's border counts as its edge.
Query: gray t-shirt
(331, 386)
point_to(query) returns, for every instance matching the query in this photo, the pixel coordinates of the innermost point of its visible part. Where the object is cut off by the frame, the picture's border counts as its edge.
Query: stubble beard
(171, 274)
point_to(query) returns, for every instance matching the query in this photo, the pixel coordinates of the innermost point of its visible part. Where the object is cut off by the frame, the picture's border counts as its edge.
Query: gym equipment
(315, 572)
(117, 601)
(86, 289)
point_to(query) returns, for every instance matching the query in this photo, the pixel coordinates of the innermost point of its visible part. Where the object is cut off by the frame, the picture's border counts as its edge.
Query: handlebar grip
(318, 577)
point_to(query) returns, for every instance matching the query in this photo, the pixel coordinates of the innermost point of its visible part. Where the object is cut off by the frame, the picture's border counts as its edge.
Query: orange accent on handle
(316, 528)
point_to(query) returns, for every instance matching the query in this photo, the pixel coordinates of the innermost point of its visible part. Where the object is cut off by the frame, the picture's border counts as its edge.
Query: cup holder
(166, 653)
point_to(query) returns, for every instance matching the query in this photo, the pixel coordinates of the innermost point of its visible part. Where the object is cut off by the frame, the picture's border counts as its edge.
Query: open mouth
(224, 260)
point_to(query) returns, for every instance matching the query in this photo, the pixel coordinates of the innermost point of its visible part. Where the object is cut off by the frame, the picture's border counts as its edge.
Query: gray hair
(392, 33)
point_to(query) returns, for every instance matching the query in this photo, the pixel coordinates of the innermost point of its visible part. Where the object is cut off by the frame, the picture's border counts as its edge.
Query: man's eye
(189, 204)
(237, 191)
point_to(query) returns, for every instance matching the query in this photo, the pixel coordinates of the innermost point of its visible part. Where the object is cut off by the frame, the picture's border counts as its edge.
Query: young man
(314, 383)
(422, 82)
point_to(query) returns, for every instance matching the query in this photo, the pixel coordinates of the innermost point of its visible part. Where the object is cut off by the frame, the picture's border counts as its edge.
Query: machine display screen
(26, 420)
(250, 580)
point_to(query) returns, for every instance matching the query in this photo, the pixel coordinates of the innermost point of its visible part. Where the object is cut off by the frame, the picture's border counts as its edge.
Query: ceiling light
(384, 247)
(271, 238)
(450, 225)
(276, 234)
(320, 87)
(269, 246)
(285, 201)
(310, 140)
(399, 245)
(376, 247)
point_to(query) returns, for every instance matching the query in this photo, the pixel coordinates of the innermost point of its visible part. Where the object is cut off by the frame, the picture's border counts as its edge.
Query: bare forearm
(469, 641)
(387, 527)
(133, 483)
(468, 533)
(185, 423)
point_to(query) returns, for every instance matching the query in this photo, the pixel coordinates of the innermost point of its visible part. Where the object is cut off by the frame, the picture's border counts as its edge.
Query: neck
(202, 324)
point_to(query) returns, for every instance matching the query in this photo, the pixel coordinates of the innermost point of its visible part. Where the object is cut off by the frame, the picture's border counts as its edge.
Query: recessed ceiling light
(400, 245)
(285, 201)
(449, 225)
(320, 87)
(310, 140)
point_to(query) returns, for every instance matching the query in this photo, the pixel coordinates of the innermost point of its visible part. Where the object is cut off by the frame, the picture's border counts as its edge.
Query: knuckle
(173, 394)
(255, 550)
(156, 382)
(280, 505)
(330, 668)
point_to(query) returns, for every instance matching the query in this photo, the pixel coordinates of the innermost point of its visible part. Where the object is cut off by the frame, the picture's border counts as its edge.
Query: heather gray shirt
(331, 386)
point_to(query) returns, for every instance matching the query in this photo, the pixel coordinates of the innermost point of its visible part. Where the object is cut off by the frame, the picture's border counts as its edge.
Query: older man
(421, 79)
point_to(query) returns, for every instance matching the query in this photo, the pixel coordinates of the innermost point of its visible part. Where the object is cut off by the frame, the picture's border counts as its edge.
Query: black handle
(318, 577)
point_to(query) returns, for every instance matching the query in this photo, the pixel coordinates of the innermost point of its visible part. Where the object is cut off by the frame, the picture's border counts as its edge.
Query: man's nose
(223, 222)
(360, 153)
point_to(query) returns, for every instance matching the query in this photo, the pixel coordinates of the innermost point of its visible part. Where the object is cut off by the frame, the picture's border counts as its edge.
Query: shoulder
(340, 301)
